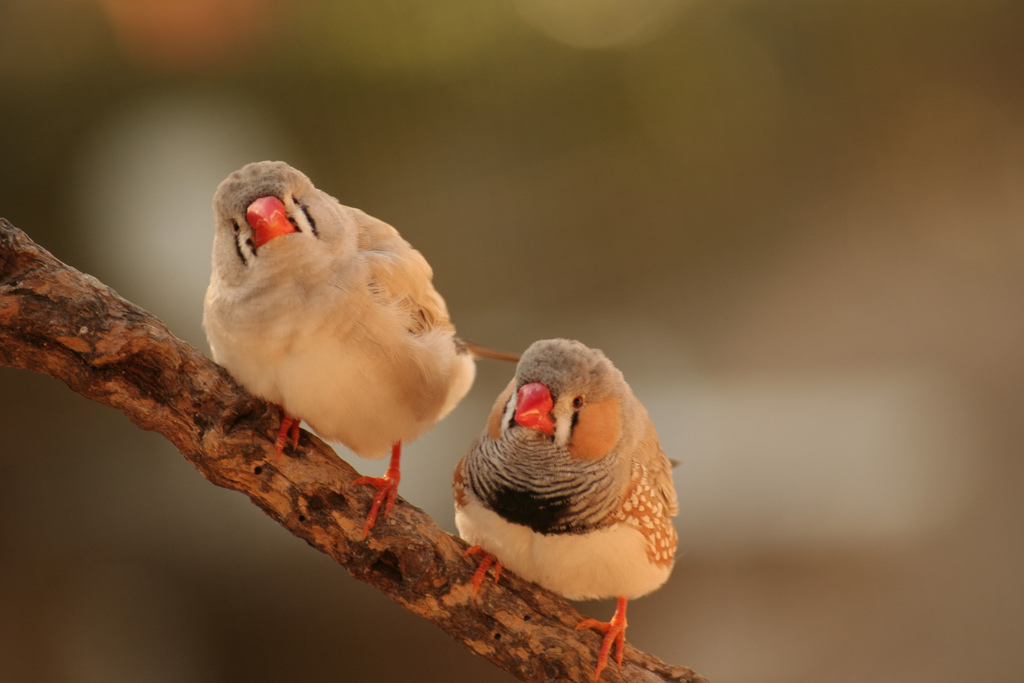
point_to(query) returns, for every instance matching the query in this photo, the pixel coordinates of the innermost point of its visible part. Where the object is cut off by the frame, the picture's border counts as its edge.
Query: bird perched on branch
(330, 314)
(568, 486)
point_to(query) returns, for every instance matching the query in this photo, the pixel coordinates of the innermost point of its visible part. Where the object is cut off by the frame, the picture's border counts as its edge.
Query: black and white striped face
(269, 203)
(548, 460)
(569, 393)
(233, 205)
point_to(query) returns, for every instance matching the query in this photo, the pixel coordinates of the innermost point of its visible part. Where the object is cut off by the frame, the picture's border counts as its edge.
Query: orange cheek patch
(494, 421)
(597, 430)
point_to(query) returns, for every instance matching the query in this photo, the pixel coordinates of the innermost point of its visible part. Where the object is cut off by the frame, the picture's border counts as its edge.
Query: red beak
(268, 218)
(533, 408)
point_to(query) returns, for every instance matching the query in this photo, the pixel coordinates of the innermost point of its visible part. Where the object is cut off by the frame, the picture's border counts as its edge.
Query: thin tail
(490, 354)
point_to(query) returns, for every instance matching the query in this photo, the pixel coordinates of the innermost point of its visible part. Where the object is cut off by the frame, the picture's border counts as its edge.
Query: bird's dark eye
(234, 224)
(577, 402)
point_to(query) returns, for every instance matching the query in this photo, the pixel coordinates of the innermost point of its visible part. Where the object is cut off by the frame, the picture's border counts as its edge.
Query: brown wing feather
(399, 274)
(659, 468)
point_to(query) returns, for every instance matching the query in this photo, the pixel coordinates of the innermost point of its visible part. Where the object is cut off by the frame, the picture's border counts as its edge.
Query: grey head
(569, 368)
(314, 216)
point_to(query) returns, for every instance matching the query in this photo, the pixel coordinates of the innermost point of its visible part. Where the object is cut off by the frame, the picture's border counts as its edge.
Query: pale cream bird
(330, 314)
(568, 485)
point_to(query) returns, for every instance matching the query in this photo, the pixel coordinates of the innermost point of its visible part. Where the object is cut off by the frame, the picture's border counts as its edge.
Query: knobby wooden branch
(63, 323)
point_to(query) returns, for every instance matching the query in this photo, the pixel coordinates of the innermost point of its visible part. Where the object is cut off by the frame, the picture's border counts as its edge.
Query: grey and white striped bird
(568, 485)
(330, 314)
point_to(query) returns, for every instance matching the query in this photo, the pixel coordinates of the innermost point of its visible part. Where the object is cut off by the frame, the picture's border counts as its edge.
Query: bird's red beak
(533, 408)
(269, 219)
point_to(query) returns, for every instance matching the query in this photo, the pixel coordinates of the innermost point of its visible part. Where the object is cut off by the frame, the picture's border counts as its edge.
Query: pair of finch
(328, 313)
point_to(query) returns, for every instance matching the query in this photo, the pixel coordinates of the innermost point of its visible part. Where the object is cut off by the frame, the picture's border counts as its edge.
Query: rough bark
(60, 322)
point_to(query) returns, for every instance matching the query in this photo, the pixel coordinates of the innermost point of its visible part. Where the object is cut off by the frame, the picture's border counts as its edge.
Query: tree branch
(60, 322)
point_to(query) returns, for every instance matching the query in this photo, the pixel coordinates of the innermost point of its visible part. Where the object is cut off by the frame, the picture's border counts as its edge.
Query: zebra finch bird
(568, 486)
(328, 313)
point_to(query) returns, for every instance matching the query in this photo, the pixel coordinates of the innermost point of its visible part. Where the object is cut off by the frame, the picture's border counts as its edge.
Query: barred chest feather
(631, 553)
(535, 485)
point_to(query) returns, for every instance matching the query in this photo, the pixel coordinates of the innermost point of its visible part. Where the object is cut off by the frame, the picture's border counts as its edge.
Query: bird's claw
(288, 424)
(485, 564)
(387, 489)
(614, 632)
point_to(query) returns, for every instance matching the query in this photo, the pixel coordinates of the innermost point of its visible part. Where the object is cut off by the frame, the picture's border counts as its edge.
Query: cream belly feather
(347, 390)
(607, 563)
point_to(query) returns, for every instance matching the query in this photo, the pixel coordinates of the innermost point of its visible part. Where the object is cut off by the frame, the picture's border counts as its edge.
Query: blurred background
(797, 227)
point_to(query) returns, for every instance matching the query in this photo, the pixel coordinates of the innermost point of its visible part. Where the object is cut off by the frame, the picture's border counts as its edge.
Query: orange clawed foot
(614, 632)
(288, 424)
(485, 564)
(387, 489)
